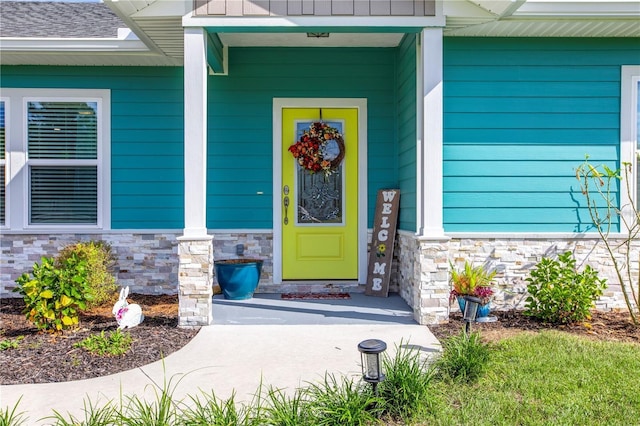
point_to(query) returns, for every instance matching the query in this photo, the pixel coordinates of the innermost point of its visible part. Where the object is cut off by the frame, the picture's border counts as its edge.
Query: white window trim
(17, 200)
(628, 135)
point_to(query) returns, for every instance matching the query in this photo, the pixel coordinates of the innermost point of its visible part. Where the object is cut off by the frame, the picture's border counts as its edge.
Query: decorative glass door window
(319, 197)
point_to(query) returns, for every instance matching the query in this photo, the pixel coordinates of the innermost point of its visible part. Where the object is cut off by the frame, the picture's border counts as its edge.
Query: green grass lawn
(548, 378)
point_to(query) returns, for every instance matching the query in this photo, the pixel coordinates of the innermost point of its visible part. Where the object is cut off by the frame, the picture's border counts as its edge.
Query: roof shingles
(58, 20)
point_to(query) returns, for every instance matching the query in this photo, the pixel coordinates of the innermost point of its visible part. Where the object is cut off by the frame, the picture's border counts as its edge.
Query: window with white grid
(58, 158)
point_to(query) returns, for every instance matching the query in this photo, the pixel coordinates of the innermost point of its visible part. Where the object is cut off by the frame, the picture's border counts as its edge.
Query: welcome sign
(382, 242)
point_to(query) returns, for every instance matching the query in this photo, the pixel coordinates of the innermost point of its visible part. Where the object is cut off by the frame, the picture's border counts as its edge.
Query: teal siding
(240, 124)
(147, 189)
(520, 115)
(406, 89)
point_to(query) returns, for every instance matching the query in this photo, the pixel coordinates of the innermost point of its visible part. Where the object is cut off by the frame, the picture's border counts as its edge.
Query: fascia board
(466, 9)
(71, 45)
(496, 7)
(313, 22)
(582, 9)
(163, 9)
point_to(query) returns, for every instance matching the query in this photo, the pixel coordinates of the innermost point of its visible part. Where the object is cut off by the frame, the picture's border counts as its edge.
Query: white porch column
(431, 288)
(195, 249)
(430, 134)
(195, 132)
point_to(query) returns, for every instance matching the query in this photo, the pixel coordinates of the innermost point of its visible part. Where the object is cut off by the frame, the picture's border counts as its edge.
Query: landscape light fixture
(471, 305)
(370, 351)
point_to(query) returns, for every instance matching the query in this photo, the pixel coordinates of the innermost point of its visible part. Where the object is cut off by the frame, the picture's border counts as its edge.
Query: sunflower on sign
(319, 149)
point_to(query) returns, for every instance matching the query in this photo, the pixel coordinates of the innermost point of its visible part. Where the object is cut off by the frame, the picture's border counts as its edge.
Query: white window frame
(630, 76)
(17, 163)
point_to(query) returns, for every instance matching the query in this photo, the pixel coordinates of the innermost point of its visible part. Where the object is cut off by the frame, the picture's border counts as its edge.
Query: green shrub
(213, 411)
(100, 260)
(54, 296)
(10, 343)
(464, 357)
(94, 415)
(116, 343)
(561, 294)
(406, 389)
(283, 409)
(342, 402)
(12, 417)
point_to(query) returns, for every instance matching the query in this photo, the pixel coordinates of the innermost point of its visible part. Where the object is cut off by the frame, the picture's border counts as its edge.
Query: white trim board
(17, 185)
(629, 99)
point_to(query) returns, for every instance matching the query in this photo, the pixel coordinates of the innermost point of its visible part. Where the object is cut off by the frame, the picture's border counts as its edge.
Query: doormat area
(315, 296)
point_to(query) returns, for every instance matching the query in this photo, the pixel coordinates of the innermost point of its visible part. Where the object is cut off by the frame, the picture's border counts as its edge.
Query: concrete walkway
(304, 340)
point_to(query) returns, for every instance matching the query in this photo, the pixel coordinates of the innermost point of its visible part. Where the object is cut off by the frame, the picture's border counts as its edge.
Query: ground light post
(370, 351)
(471, 306)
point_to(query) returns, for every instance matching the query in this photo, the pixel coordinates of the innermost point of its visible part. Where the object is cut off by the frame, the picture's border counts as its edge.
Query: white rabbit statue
(127, 315)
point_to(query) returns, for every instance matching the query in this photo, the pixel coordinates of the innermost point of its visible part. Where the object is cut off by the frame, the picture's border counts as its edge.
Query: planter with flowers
(472, 281)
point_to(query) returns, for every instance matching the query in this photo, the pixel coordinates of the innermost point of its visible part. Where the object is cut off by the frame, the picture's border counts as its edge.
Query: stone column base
(195, 279)
(433, 290)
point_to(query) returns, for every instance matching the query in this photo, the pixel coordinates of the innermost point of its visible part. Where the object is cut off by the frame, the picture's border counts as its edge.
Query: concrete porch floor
(265, 309)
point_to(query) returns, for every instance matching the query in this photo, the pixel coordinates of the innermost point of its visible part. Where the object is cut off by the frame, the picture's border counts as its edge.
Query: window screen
(62, 150)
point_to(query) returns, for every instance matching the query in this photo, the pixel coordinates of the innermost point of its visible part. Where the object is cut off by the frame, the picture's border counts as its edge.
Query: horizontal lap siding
(240, 157)
(407, 132)
(520, 116)
(147, 189)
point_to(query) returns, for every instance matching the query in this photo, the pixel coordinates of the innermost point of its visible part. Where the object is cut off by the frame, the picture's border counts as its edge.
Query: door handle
(286, 210)
(285, 191)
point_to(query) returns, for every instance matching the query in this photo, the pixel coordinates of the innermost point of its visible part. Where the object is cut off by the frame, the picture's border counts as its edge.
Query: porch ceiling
(302, 40)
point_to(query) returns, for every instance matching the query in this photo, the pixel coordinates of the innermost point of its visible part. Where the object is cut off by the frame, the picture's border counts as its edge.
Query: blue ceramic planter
(238, 278)
(483, 310)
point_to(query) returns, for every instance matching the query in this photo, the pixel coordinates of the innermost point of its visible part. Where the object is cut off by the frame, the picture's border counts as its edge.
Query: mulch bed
(608, 326)
(43, 357)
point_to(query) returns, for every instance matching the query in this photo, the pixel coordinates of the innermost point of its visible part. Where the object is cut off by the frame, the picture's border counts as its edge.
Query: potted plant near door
(238, 278)
(472, 281)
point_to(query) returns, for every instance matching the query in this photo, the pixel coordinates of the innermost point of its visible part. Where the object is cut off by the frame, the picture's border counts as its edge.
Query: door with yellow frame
(319, 193)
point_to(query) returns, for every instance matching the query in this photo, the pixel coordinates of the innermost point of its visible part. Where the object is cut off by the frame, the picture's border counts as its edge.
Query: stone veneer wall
(257, 245)
(196, 279)
(147, 263)
(423, 277)
(424, 269)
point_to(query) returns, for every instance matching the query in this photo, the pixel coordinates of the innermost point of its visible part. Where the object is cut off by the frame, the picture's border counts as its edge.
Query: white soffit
(550, 28)
(580, 8)
(166, 32)
(545, 18)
